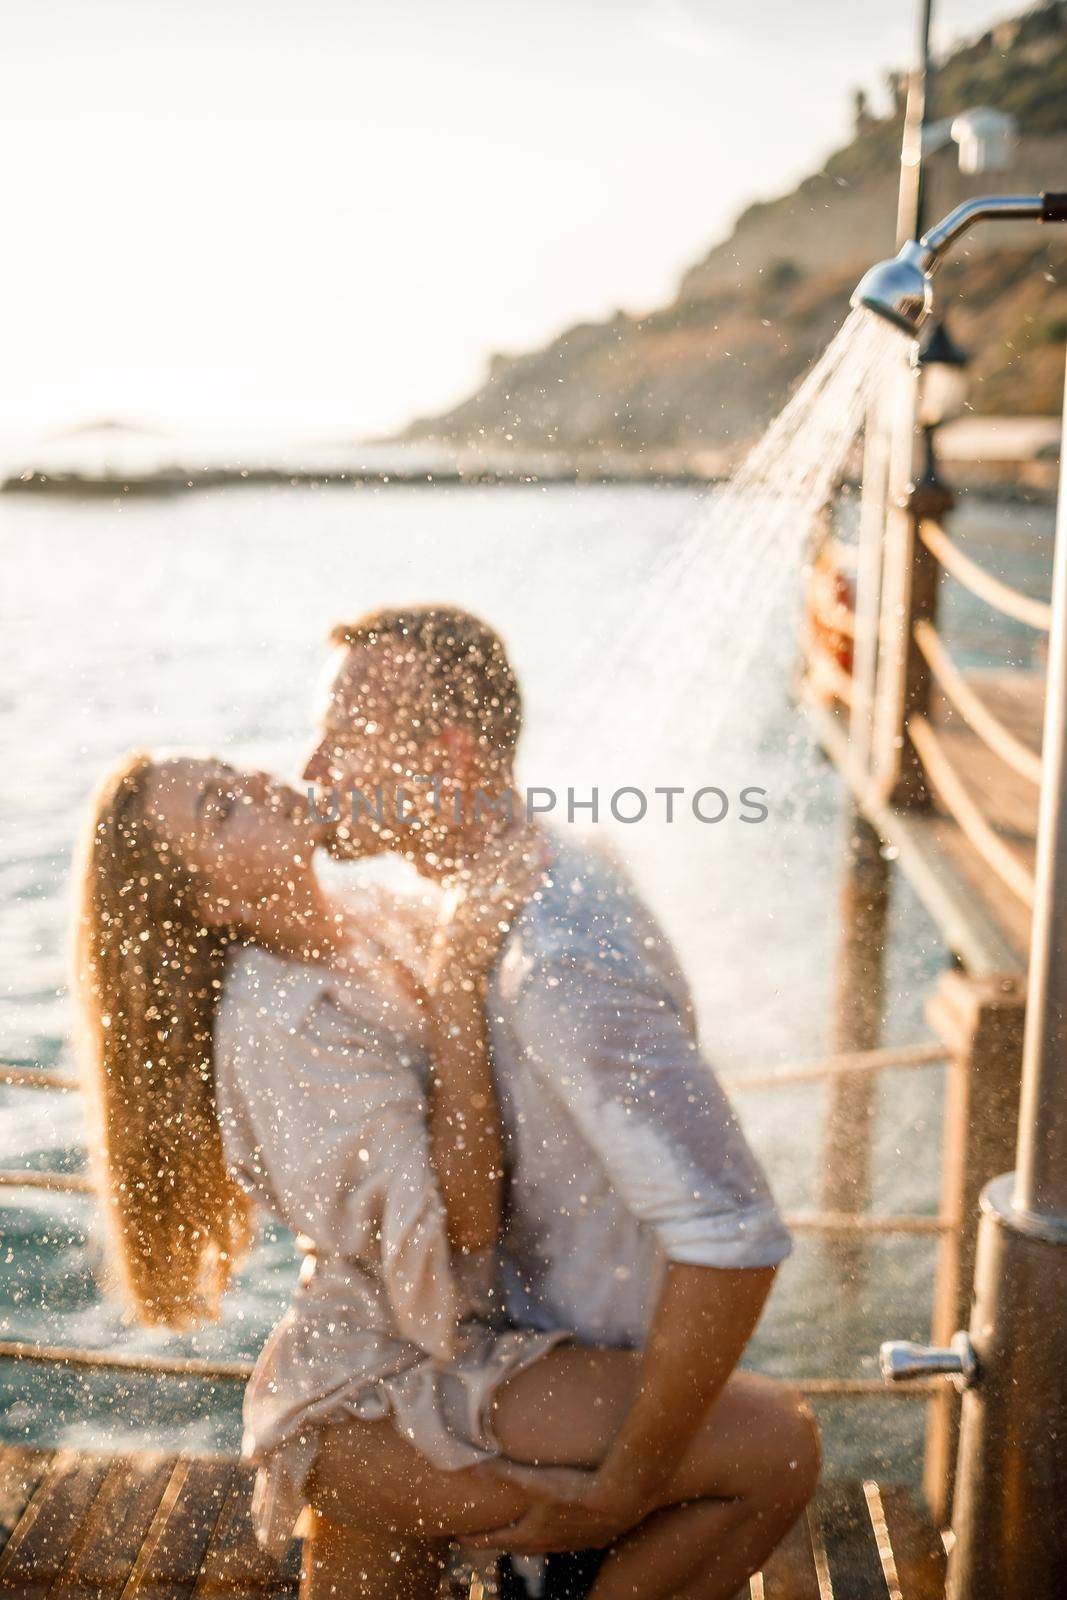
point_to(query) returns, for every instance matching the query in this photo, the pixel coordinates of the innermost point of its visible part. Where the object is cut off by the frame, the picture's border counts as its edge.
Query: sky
(317, 220)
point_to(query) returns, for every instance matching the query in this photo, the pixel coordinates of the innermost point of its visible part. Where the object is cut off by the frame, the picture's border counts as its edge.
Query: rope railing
(833, 614)
(871, 1223)
(886, 1057)
(973, 709)
(828, 674)
(241, 1371)
(827, 1223)
(801, 1221)
(121, 1361)
(57, 1182)
(952, 792)
(16, 1076)
(1011, 602)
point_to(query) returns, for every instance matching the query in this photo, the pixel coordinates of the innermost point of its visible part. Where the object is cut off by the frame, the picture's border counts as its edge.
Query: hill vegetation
(697, 378)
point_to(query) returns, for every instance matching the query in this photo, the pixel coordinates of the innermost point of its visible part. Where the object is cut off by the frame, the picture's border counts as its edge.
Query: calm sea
(198, 621)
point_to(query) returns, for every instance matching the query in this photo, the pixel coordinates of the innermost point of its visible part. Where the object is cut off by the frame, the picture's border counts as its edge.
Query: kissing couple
(535, 1241)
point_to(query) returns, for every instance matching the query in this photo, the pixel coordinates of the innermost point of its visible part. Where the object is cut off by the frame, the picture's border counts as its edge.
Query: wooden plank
(21, 1470)
(918, 1553)
(967, 812)
(115, 1529)
(44, 1534)
(928, 848)
(790, 1573)
(1015, 701)
(174, 1549)
(842, 1518)
(155, 1527)
(959, 690)
(234, 1563)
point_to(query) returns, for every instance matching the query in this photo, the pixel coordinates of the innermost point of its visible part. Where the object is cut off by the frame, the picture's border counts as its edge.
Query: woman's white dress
(321, 1095)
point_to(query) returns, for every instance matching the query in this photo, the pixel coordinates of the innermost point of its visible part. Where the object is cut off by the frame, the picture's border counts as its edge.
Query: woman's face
(246, 838)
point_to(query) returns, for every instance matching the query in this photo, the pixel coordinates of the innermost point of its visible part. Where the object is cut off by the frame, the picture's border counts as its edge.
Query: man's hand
(571, 1510)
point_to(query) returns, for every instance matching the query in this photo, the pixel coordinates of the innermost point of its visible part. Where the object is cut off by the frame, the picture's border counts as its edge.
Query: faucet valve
(899, 1360)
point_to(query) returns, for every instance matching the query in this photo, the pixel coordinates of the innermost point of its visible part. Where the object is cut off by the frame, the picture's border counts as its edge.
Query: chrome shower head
(898, 289)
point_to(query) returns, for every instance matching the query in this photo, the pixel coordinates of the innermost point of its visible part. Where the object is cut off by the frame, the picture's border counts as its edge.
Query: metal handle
(900, 1359)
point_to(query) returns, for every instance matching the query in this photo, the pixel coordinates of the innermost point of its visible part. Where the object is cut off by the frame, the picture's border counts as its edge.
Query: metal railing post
(1011, 1486)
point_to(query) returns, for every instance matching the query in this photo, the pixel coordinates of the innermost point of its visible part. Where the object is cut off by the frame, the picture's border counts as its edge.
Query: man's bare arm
(704, 1319)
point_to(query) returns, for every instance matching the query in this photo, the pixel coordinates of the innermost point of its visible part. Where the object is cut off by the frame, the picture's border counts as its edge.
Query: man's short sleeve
(607, 1038)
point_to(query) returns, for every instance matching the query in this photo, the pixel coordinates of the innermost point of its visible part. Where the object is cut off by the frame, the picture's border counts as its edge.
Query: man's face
(370, 738)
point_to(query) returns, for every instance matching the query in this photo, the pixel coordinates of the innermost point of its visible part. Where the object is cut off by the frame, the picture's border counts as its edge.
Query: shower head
(900, 290)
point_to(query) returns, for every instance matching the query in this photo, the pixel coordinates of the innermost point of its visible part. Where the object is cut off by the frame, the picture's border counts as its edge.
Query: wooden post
(910, 587)
(857, 1020)
(981, 1023)
(876, 448)
(929, 502)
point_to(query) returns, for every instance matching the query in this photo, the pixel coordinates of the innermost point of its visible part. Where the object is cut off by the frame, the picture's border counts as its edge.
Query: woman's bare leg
(342, 1561)
(748, 1473)
(382, 1517)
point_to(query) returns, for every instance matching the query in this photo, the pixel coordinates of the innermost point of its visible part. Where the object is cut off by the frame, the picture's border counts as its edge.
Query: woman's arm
(466, 1143)
(465, 1132)
(448, 983)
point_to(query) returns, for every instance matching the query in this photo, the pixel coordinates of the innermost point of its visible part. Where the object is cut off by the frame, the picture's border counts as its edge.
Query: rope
(1022, 607)
(241, 1371)
(972, 708)
(987, 842)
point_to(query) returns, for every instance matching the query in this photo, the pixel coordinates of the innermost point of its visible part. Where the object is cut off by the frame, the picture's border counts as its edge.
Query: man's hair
(463, 672)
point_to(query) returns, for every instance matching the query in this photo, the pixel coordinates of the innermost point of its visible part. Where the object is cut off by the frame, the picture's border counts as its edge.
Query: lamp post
(942, 394)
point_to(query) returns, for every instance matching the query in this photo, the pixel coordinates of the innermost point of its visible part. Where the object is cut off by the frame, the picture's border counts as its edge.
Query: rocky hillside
(696, 378)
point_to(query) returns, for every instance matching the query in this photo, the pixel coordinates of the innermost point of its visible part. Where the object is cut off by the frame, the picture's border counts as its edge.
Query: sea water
(199, 621)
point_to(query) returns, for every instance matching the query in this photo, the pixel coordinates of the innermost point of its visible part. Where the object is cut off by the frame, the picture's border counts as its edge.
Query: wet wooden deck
(981, 919)
(149, 1526)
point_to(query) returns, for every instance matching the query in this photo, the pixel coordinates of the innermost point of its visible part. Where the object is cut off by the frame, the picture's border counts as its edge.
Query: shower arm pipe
(1049, 206)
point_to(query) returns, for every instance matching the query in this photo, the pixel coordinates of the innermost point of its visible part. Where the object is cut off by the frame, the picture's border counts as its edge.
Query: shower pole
(909, 574)
(911, 205)
(1011, 1481)
(866, 882)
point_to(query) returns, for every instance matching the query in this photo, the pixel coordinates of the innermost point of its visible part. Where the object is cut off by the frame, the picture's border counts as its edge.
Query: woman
(246, 1037)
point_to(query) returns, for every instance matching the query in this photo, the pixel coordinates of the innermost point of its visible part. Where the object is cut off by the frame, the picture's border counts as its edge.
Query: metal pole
(912, 202)
(885, 744)
(1011, 1494)
(1041, 1153)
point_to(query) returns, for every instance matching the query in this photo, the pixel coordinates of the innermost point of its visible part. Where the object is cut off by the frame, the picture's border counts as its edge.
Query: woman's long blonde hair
(147, 977)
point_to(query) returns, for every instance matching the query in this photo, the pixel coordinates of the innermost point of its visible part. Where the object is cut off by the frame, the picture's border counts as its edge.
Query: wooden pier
(943, 772)
(942, 769)
(78, 1526)
(969, 853)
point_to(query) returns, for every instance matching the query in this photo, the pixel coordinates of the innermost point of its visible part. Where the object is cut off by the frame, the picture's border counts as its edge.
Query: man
(637, 1214)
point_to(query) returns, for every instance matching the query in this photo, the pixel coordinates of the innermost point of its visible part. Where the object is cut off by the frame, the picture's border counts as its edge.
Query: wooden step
(144, 1526)
(857, 1541)
(77, 1525)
